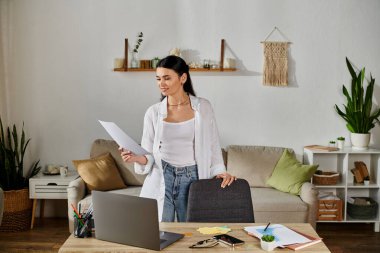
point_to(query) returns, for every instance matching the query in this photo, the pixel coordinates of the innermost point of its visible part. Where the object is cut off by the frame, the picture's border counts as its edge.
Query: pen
(79, 220)
(89, 212)
(75, 210)
(266, 226)
(79, 208)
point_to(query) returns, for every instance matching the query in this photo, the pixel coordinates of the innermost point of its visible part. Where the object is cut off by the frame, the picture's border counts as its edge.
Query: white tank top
(177, 143)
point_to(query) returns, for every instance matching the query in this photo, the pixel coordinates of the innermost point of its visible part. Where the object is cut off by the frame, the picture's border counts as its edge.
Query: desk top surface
(192, 236)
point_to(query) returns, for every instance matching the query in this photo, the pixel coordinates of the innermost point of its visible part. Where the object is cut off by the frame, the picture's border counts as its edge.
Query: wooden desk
(192, 236)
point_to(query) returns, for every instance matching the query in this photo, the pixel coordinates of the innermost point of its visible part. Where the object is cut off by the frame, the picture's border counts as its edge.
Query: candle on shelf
(229, 63)
(118, 62)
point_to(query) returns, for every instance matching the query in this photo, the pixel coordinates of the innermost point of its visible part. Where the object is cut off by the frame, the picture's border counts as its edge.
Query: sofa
(253, 163)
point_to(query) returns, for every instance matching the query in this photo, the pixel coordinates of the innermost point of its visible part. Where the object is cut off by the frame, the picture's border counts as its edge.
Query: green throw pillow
(289, 174)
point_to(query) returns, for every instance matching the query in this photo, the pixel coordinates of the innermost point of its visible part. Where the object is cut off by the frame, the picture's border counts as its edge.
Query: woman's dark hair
(180, 67)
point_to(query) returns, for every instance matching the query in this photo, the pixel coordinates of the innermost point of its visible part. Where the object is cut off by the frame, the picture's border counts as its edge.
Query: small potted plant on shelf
(366, 180)
(340, 141)
(155, 61)
(268, 242)
(332, 144)
(134, 60)
(358, 113)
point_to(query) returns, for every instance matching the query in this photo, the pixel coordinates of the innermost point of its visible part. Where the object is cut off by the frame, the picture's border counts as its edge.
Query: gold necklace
(183, 103)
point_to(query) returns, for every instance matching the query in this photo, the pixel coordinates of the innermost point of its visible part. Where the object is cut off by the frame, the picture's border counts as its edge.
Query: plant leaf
(349, 66)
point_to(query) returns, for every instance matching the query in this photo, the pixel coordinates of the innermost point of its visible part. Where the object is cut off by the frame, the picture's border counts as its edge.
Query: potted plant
(155, 61)
(340, 141)
(134, 60)
(366, 180)
(358, 112)
(332, 144)
(268, 242)
(13, 180)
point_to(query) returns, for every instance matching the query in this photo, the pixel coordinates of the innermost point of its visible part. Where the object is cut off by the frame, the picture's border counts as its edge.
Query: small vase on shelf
(340, 142)
(134, 61)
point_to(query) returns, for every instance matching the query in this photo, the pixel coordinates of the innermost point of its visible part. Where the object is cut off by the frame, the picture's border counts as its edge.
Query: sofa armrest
(75, 192)
(309, 195)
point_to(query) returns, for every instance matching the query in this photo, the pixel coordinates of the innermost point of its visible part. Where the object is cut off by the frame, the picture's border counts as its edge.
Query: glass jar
(134, 61)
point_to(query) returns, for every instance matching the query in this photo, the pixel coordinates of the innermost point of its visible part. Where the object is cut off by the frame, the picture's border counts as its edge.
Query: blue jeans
(177, 183)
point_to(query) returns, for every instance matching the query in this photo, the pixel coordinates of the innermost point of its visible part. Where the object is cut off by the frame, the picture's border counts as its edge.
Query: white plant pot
(340, 144)
(360, 141)
(268, 246)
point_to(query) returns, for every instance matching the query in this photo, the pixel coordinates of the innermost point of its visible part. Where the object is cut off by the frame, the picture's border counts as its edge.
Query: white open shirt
(208, 154)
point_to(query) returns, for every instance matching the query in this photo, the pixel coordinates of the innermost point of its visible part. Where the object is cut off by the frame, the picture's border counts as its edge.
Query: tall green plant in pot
(13, 180)
(357, 112)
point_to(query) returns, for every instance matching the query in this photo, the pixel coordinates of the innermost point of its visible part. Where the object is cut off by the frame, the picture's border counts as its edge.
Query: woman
(181, 136)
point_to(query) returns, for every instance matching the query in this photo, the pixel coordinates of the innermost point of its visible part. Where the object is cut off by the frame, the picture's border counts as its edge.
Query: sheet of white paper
(284, 235)
(122, 138)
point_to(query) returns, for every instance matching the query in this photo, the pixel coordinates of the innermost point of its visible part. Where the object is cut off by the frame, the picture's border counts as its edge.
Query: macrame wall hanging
(275, 61)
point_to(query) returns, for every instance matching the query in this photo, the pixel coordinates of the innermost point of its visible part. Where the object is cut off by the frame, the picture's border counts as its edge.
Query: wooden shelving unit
(342, 161)
(125, 67)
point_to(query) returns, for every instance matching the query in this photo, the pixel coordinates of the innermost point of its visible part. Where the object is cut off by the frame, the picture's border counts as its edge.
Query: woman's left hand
(227, 179)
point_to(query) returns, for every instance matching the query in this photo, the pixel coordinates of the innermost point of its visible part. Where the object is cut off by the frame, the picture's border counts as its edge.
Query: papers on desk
(122, 139)
(283, 235)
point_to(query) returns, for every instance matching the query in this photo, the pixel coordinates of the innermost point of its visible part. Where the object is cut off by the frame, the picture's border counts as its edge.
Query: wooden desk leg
(33, 213)
(42, 208)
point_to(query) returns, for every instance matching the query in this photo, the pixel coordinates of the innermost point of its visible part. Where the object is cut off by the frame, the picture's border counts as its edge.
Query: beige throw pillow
(100, 173)
(127, 170)
(253, 163)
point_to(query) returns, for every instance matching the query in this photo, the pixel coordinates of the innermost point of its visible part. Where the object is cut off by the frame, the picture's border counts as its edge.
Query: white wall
(61, 58)
(4, 39)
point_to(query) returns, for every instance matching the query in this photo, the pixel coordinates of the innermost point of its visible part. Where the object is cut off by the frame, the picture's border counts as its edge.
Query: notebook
(297, 246)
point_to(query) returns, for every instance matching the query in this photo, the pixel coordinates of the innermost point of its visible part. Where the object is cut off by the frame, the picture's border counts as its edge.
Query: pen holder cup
(83, 228)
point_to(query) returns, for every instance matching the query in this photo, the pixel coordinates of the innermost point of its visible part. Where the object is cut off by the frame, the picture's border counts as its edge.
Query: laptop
(129, 220)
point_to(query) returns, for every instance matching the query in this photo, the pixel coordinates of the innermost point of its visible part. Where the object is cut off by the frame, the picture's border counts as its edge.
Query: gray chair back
(208, 202)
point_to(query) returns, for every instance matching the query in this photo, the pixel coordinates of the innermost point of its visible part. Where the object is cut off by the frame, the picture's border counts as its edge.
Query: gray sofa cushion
(270, 199)
(127, 170)
(253, 163)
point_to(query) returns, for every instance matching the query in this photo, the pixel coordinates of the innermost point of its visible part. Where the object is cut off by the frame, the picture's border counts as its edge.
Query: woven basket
(363, 211)
(17, 211)
(330, 209)
(326, 178)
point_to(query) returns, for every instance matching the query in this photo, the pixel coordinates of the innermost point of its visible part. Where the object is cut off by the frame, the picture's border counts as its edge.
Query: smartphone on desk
(229, 240)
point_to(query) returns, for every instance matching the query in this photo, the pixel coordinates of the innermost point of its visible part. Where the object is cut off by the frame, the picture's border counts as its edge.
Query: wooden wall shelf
(191, 70)
(125, 67)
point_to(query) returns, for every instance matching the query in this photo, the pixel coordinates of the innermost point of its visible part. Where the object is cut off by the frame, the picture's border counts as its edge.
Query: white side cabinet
(48, 187)
(342, 161)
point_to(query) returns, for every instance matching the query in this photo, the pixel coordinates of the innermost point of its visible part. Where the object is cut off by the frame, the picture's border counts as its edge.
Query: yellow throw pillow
(100, 173)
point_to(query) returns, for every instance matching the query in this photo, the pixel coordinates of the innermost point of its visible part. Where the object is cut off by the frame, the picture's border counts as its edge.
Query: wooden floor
(49, 234)
(349, 237)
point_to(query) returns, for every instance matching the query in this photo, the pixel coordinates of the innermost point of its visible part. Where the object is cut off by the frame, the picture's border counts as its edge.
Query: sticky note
(213, 230)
